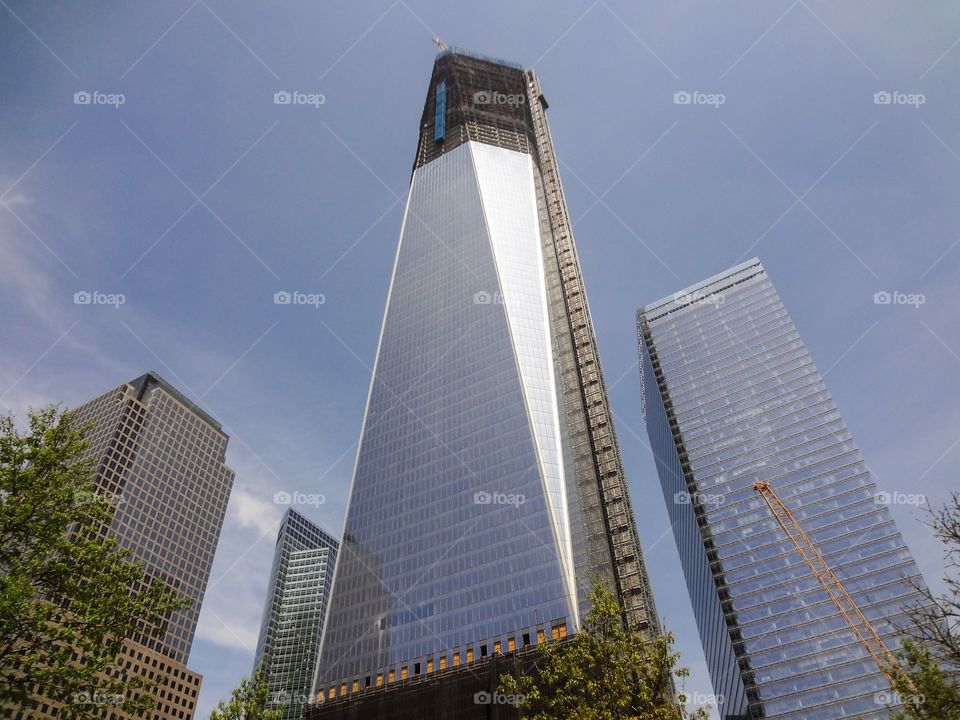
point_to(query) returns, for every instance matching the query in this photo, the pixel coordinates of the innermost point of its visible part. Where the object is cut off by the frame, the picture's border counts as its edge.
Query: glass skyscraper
(293, 613)
(731, 397)
(161, 461)
(488, 484)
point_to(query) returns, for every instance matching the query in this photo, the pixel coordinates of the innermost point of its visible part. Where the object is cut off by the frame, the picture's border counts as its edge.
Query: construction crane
(847, 606)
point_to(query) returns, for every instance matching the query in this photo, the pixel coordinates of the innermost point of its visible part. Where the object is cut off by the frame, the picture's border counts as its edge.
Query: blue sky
(198, 198)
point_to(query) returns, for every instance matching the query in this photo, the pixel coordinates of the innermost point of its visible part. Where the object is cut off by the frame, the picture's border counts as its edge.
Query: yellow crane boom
(831, 584)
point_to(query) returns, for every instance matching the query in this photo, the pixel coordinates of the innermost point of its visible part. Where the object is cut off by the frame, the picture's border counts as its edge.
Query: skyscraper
(731, 397)
(160, 459)
(488, 484)
(293, 613)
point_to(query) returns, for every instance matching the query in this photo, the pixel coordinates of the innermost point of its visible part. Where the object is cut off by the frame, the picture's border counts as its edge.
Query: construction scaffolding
(614, 498)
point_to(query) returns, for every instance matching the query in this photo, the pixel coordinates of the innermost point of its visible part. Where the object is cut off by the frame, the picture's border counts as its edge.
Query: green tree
(248, 701)
(935, 695)
(605, 672)
(69, 595)
(930, 655)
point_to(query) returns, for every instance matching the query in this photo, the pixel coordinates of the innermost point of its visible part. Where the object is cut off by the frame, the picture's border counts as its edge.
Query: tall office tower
(294, 611)
(161, 460)
(488, 485)
(731, 397)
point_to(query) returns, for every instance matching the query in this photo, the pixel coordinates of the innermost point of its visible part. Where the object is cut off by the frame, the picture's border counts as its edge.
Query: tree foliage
(930, 655)
(248, 701)
(935, 695)
(68, 594)
(605, 672)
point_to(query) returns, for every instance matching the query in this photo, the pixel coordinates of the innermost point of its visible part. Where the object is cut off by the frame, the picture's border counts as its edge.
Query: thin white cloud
(227, 631)
(252, 511)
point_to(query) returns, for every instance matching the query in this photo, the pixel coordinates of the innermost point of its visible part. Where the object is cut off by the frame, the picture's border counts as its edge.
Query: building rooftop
(691, 294)
(151, 378)
(478, 56)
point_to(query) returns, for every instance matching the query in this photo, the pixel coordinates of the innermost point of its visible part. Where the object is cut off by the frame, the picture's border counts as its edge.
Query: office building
(732, 398)
(488, 485)
(160, 460)
(294, 611)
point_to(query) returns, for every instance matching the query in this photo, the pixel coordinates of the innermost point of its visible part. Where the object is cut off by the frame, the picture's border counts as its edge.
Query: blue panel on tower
(440, 117)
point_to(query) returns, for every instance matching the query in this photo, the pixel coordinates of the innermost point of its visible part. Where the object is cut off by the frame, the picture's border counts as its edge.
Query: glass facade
(732, 397)
(294, 612)
(451, 534)
(161, 459)
(488, 486)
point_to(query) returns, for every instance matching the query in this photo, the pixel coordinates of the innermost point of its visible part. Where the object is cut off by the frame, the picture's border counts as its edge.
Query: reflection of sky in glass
(750, 405)
(449, 539)
(509, 198)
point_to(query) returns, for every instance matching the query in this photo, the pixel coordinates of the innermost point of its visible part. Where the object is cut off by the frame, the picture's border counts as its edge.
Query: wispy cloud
(251, 510)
